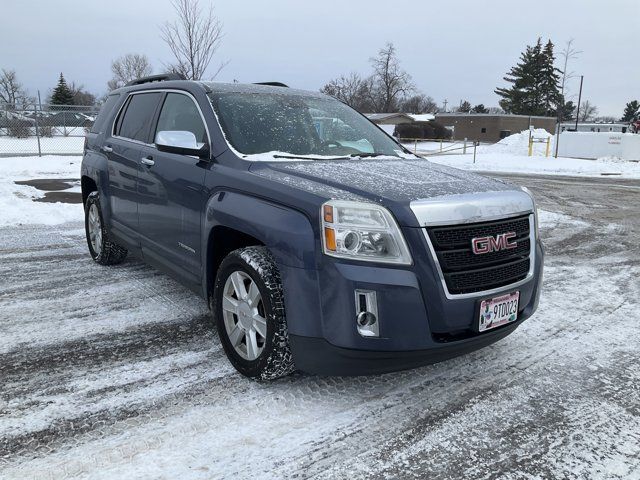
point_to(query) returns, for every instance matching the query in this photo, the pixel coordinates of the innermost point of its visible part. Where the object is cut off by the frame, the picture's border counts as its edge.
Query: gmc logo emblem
(481, 245)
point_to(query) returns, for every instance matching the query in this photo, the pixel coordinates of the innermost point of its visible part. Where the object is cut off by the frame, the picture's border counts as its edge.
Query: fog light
(367, 313)
(366, 318)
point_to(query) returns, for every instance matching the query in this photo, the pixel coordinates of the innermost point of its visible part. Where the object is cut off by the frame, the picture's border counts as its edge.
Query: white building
(595, 127)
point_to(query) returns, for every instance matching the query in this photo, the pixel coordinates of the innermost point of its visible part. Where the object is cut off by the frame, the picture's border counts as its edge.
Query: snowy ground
(116, 373)
(509, 163)
(16, 201)
(58, 144)
(511, 155)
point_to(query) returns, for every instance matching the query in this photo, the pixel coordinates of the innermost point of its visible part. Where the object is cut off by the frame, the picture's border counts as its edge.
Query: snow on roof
(422, 117)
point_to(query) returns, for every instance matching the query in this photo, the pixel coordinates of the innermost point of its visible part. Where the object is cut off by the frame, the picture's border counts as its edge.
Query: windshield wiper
(301, 157)
(369, 155)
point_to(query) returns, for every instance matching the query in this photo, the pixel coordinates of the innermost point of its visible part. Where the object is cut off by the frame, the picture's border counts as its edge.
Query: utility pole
(579, 100)
(559, 121)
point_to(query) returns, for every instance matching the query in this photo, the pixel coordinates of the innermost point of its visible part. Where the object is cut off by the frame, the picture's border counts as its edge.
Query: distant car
(16, 124)
(65, 119)
(319, 242)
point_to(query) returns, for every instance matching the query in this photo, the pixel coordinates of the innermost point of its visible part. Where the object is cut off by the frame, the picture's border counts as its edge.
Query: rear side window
(105, 112)
(179, 112)
(136, 119)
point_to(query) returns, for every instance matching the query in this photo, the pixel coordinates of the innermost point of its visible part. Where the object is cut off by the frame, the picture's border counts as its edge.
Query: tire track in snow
(556, 398)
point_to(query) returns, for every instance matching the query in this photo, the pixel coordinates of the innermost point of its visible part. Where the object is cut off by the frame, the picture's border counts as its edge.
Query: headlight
(535, 210)
(362, 231)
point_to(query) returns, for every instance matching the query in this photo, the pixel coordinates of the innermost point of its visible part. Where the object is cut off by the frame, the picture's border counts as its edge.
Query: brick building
(489, 127)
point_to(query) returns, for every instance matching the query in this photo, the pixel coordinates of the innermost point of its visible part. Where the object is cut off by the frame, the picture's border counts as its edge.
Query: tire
(102, 248)
(263, 354)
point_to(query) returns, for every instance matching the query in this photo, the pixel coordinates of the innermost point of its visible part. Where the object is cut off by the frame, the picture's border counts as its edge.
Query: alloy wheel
(244, 315)
(95, 229)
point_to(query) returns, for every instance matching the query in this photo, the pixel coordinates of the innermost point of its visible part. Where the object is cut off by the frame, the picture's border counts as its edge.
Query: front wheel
(102, 248)
(249, 311)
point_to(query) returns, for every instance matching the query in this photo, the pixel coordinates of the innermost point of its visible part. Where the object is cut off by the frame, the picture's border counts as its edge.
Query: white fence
(625, 146)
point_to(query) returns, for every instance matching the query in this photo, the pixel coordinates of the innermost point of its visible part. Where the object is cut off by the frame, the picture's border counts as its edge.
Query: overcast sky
(453, 49)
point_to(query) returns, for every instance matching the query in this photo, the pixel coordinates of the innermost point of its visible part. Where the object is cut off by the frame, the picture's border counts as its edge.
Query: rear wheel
(103, 250)
(250, 317)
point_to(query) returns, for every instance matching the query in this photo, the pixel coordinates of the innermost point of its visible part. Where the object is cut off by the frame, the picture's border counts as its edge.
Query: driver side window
(180, 113)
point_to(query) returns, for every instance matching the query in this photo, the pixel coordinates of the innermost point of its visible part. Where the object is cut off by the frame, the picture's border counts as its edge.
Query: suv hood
(378, 180)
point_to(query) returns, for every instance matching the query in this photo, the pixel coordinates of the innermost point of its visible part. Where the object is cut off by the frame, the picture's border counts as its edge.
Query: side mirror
(180, 142)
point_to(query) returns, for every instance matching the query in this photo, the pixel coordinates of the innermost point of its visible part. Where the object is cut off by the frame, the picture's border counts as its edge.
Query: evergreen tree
(549, 81)
(465, 107)
(567, 111)
(62, 94)
(631, 112)
(534, 83)
(480, 108)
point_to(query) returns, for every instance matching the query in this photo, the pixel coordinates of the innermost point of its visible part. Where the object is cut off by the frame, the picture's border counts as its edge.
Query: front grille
(465, 272)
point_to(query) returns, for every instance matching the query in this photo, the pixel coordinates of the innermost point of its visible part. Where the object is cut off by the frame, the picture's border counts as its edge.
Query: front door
(170, 192)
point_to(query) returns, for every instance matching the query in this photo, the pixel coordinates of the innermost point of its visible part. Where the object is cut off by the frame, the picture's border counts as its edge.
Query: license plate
(498, 311)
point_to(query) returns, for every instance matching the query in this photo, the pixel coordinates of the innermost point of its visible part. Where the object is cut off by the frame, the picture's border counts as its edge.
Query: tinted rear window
(138, 116)
(105, 112)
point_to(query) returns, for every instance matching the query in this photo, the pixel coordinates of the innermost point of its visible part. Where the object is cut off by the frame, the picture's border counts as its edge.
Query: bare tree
(419, 103)
(11, 90)
(81, 96)
(193, 38)
(352, 90)
(587, 111)
(566, 55)
(391, 83)
(605, 119)
(127, 68)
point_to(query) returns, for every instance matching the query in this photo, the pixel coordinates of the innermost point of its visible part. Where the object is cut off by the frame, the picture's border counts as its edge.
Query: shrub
(426, 130)
(45, 130)
(19, 129)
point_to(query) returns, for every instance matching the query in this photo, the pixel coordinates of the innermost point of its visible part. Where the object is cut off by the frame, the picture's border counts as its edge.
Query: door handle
(107, 149)
(148, 161)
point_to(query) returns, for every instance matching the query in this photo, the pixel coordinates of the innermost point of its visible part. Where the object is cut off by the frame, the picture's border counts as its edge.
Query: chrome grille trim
(476, 208)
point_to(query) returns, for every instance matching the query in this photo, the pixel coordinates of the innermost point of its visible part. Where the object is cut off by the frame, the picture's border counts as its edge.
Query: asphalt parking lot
(117, 373)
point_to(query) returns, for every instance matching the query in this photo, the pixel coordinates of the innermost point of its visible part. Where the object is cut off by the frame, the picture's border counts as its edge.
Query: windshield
(286, 125)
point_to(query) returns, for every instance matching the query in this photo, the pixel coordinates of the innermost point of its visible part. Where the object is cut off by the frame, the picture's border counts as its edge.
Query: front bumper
(317, 356)
(418, 323)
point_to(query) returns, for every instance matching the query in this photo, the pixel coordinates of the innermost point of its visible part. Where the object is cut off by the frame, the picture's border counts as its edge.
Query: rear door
(170, 191)
(124, 150)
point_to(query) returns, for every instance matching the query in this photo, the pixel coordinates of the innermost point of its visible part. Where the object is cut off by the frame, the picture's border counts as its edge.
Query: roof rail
(164, 77)
(272, 84)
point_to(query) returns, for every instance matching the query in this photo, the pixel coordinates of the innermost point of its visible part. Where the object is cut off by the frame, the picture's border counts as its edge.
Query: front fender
(289, 236)
(286, 232)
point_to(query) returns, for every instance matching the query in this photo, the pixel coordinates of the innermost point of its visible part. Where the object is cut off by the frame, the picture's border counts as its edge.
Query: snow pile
(515, 163)
(16, 201)
(518, 143)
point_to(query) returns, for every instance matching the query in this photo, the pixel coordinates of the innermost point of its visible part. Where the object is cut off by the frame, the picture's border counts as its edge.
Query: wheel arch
(235, 220)
(87, 185)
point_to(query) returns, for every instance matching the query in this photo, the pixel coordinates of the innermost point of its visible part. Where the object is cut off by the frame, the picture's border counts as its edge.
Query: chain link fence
(44, 129)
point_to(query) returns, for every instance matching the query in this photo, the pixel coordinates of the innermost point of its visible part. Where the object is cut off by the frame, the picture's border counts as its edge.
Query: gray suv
(320, 243)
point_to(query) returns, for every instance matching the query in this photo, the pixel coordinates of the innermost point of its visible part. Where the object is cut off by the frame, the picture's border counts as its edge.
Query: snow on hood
(397, 180)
